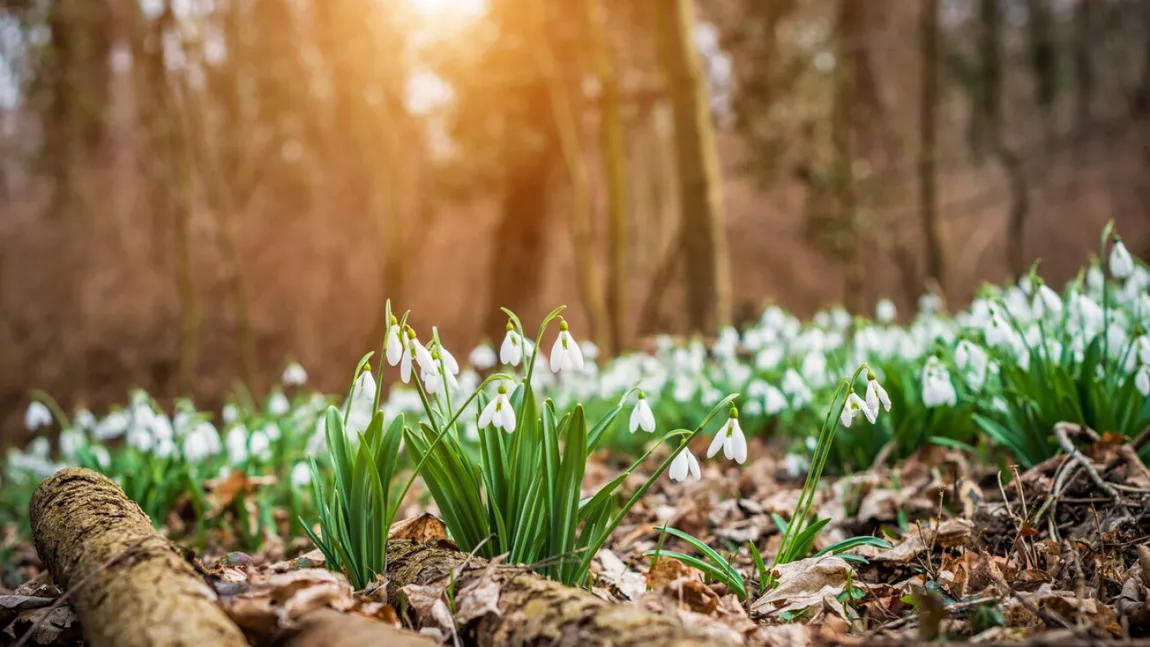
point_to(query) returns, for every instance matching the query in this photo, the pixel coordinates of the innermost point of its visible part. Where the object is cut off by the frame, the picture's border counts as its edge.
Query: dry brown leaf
(667, 570)
(424, 528)
(430, 609)
(49, 626)
(274, 602)
(805, 584)
(919, 539)
(478, 599)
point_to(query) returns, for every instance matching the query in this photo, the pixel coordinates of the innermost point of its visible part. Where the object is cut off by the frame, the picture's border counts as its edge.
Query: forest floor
(1054, 555)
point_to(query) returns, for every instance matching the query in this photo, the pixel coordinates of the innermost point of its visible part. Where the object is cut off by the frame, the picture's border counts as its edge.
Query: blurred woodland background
(193, 192)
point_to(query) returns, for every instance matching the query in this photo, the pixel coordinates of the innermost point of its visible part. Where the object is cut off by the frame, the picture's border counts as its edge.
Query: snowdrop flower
(70, 442)
(294, 375)
(885, 311)
(260, 445)
(230, 413)
(853, 406)
(937, 389)
(1047, 301)
(449, 362)
(203, 441)
(998, 332)
(929, 303)
(433, 380)
(565, 354)
(1121, 264)
(114, 425)
(498, 412)
(37, 416)
(511, 351)
(393, 343)
(483, 357)
(362, 398)
(875, 394)
(300, 475)
(1142, 380)
(278, 404)
(641, 416)
(774, 401)
(730, 438)
(417, 352)
(683, 464)
(1142, 349)
(84, 420)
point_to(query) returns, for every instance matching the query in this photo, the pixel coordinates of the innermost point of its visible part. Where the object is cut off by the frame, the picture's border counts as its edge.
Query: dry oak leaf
(276, 601)
(667, 570)
(424, 528)
(807, 583)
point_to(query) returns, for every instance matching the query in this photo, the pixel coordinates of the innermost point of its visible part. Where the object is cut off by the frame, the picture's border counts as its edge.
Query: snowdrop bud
(230, 413)
(236, 443)
(260, 445)
(683, 464)
(202, 442)
(1142, 381)
(641, 415)
(84, 420)
(1121, 263)
(294, 375)
(393, 342)
(37, 416)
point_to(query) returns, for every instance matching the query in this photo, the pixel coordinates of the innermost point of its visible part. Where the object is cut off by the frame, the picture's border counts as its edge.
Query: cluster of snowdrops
(501, 446)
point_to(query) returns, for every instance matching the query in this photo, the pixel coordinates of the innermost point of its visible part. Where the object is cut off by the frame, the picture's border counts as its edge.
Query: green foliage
(713, 565)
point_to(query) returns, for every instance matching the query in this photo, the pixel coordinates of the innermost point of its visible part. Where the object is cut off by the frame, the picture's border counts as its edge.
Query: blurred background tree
(193, 191)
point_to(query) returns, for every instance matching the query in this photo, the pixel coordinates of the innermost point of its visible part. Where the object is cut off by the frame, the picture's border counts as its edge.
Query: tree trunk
(128, 584)
(928, 153)
(1044, 63)
(842, 136)
(330, 628)
(531, 610)
(1085, 32)
(708, 280)
(567, 130)
(615, 163)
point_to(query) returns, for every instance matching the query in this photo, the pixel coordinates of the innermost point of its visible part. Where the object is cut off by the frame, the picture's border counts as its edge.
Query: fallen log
(129, 586)
(506, 606)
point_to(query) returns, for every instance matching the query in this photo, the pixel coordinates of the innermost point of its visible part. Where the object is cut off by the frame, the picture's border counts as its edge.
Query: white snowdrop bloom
(875, 394)
(730, 438)
(1142, 349)
(812, 443)
(853, 406)
(203, 441)
(815, 368)
(272, 430)
(774, 401)
(727, 344)
(683, 389)
(822, 319)
(590, 350)
(1121, 263)
(499, 412)
(449, 361)
(753, 407)
(38, 415)
(236, 443)
(511, 350)
(683, 464)
(482, 357)
(84, 420)
(301, 475)
(937, 389)
(641, 415)
(1142, 380)
(998, 331)
(393, 342)
(71, 440)
(114, 425)
(1048, 301)
(102, 455)
(1095, 280)
(230, 413)
(294, 375)
(565, 354)
(840, 318)
(885, 311)
(794, 465)
(140, 437)
(768, 358)
(278, 404)
(929, 304)
(416, 352)
(260, 445)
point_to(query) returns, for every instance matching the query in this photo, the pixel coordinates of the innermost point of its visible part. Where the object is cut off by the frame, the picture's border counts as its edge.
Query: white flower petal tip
(498, 413)
(641, 416)
(565, 354)
(1121, 263)
(684, 464)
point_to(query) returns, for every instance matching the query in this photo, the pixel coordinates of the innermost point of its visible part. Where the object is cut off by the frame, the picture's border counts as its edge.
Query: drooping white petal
(679, 466)
(1121, 263)
(508, 413)
(394, 344)
(405, 364)
(488, 413)
(848, 414)
(37, 416)
(738, 443)
(717, 443)
(511, 351)
(1142, 381)
(557, 354)
(646, 417)
(693, 465)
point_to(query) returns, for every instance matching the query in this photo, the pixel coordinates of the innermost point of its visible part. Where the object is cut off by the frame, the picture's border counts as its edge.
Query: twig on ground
(1062, 433)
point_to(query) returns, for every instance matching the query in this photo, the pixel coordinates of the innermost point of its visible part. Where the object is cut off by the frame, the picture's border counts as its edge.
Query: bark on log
(330, 628)
(533, 610)
(129, 585)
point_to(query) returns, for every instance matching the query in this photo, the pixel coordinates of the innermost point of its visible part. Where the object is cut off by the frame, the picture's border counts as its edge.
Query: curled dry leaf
(921, 538)
(430, 608)
(1020, 610)
(627, 583)
(805, 584)
(49, 626)
(667, 570)
(424, 528)
(477, 600)
(277, 601)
